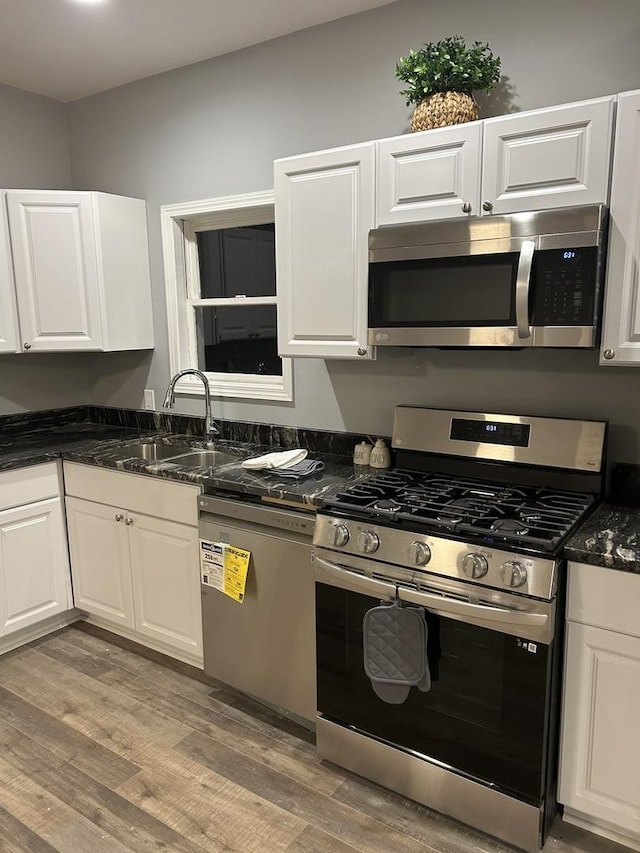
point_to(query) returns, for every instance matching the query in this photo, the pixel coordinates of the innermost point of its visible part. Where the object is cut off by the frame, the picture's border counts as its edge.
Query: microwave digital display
(490, 432)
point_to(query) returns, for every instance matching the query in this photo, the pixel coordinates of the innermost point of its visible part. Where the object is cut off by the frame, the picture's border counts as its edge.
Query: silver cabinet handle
(128, 521)
(119, 516)
(466, 207)
(333, 575)
(26, 345)
(523, 281)
(487, 205)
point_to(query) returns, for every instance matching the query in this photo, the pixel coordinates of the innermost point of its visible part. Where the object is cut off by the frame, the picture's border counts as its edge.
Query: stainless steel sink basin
(204, 458)
(153, 451)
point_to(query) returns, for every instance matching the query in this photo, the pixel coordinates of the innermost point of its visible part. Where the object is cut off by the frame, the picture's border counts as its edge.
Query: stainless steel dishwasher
(264, 646)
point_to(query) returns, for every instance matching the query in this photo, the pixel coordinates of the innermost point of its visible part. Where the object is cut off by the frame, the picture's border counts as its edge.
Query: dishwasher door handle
(334, 575)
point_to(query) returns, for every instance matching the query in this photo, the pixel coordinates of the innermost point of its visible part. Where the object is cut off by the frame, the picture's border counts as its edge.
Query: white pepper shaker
(380, 455)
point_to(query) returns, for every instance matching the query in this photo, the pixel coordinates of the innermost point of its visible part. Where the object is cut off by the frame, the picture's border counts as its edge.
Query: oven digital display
(490, 432)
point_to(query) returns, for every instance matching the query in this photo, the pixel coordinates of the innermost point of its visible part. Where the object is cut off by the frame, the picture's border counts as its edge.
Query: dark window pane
(237, 261)
(238, 339)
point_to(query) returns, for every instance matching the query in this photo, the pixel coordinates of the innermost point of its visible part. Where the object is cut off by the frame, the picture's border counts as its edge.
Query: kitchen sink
(204, 458)
(153, 451)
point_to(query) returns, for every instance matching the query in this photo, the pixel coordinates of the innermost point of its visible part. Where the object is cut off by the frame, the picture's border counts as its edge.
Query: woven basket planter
(442, 109)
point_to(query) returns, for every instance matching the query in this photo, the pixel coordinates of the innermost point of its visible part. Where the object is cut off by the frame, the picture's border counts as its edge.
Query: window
(221, 296)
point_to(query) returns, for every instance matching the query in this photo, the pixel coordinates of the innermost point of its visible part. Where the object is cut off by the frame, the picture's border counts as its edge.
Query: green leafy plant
(448, 66)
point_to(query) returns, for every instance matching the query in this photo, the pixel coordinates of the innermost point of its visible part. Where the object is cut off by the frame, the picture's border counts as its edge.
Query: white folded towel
(281, 459)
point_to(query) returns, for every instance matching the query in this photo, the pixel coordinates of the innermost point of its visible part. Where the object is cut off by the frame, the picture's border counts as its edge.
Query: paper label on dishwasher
(224, 567)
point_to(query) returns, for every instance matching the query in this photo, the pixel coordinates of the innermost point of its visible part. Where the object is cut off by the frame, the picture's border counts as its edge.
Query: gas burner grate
(482, 511)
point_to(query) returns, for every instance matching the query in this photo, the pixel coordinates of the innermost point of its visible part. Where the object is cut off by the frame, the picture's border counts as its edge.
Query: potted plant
(441, 78)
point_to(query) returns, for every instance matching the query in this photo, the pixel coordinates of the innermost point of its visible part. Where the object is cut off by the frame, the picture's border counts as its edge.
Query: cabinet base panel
(142, 645)
(34, 632)
(602, 829)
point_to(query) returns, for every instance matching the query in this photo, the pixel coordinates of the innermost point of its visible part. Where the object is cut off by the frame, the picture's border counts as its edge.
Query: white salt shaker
(361, 453)
(380, 455)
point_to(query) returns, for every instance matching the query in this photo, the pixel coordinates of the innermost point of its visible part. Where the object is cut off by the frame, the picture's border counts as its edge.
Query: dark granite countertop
(42, 437)
(610, 538)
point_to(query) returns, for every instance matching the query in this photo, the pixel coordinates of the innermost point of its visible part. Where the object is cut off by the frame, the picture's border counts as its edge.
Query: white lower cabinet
(134, 563)
(600, 753)
(34, 565)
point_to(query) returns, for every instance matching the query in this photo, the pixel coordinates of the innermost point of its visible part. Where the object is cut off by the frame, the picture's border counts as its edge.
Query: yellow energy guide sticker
(224, 567)
(236, 566)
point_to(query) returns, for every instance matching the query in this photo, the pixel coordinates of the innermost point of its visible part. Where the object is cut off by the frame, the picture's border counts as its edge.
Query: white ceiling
(67, 49)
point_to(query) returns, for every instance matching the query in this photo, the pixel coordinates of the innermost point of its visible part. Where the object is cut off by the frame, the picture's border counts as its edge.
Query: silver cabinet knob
(119, 516)
(368, 541)
(26, 345)
(362, 351)
(513, 573)
(474, 565)
(340, 535)
(419, 553)
(609, 354)
(128, 521)
(487, 205)
(466, 207)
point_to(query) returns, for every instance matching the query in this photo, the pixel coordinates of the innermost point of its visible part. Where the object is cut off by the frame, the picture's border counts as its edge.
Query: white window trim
(180, 222)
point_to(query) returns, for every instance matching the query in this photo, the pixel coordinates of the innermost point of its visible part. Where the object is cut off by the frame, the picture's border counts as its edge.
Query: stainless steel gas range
(439, 602)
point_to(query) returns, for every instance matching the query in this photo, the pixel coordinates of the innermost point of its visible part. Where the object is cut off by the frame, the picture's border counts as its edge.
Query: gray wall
(34, 154)
(214, 128)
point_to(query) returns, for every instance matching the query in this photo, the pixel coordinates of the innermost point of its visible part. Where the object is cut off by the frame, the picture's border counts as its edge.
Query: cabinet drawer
(26, 485)
(605, 598)
(135, 492)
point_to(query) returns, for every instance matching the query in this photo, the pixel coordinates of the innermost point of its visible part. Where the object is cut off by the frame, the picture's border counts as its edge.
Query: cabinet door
(100, 565)
(55, 264)
(9, 331)
(430, 175)
(599, 775)
(166, 582)
(555, 157)
(34, 568)
(621, 324)
(324, 206)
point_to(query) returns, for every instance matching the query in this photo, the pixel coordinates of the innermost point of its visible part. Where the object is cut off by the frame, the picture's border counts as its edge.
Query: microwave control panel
(565, 286)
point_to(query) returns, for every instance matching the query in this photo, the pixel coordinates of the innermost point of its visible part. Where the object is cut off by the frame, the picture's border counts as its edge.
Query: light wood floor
(106, 751)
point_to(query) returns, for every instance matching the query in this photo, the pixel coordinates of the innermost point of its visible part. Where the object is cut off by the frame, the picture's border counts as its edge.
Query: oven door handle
(523, 283)
(333, 575)
(498, 616)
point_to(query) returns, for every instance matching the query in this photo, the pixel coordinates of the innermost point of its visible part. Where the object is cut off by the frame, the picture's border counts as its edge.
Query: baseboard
(41, 629)
(603, 829)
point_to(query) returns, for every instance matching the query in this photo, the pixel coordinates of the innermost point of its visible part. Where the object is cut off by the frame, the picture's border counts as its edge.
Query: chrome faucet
(210, 426)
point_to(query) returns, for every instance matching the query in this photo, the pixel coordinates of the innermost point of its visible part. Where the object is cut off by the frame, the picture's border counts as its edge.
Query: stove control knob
(368, 541)
(513, 573)
(419, 553)
(340, 535)
(475, 565)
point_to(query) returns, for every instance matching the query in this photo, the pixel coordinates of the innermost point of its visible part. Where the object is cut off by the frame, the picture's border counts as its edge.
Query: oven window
(447, 292)
(485, 714)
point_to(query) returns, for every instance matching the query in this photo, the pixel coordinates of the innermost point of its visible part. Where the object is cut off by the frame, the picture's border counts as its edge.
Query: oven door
(486, 715)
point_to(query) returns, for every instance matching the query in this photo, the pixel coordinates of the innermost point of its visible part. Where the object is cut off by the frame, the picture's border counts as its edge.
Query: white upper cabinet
(324, 205)
(430, 175)
(552, 157)
(9, 331)
(621, 324)
(81, 270)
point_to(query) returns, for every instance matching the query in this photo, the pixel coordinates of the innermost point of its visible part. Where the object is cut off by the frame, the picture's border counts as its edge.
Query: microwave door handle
(329, 573)
(523, 283)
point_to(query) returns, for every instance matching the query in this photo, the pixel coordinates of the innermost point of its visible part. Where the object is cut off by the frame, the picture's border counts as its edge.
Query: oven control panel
(491, 567)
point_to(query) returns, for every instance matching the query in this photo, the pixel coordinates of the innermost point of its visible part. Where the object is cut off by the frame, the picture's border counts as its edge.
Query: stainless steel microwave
(522, 280)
